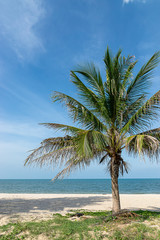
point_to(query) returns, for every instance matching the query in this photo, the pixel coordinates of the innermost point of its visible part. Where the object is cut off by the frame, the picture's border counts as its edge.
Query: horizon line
(72, 178)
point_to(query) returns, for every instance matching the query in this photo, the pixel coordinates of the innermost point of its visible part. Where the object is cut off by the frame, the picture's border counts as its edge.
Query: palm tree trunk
(115, 188)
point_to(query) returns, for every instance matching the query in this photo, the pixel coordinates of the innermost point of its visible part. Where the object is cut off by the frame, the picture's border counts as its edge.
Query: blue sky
(40, 42)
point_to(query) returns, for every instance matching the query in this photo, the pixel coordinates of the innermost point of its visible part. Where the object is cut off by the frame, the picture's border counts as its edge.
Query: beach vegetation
(142, 225)
(110, 115)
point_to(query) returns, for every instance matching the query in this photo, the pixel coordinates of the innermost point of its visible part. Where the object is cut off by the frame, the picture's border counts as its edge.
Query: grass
(92, 225)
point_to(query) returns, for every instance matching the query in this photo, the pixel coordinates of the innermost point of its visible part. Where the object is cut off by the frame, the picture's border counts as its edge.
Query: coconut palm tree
(111, 116)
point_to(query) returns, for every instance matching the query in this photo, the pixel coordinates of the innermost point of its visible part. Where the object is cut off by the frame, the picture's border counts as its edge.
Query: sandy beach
(27, 207)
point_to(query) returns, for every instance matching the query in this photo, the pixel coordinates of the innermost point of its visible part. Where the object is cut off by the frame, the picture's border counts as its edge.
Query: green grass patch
(92, 225)
(87, 213)
(137, 231)
(148, 214)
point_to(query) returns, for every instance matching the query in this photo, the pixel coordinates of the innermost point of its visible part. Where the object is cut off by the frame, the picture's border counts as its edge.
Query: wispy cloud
(130, 1)
(35, 105)
(92, 51)
(18, 20)
(24, 129)
(127, 1)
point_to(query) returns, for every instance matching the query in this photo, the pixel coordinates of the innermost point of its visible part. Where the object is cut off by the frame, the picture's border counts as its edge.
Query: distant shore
(26, 207)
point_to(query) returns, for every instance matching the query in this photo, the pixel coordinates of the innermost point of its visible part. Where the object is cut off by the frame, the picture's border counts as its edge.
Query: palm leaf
(153, 132)
(53, 151)
(93, 78)
(64, 128)
(143, 144)
(144, 115)
(141, 82)
(93, 101)
(88, 96)
(79, 112)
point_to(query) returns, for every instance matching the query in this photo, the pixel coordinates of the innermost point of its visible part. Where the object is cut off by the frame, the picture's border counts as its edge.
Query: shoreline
(77, 194)
(29, 207)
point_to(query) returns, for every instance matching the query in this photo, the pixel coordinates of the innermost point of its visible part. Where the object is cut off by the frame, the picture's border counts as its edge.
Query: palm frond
(127, 74)
(66, 171)
(130, 109)
(81, 114)
(103, 158)
(123, 167)
(64, 128)
(86, 142)
(143, 144)
(93, 77)
(71, 165)
(82, 146)
(118, 71)
(141, 82)
(109, 67)
(53, 151)
(87, 95)
(89, 143)
(153, 132)
(142, 118)
(94, 102)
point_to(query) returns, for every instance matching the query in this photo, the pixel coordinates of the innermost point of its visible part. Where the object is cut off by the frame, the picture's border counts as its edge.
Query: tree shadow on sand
(20, 205)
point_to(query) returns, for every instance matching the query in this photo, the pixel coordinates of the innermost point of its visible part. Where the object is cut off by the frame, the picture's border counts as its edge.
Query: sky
(40, 42)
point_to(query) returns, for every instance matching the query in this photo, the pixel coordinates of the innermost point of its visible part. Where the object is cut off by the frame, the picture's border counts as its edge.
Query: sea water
(85, 186)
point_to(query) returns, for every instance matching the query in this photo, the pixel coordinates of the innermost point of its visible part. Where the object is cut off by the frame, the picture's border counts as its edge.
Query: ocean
(85, 186)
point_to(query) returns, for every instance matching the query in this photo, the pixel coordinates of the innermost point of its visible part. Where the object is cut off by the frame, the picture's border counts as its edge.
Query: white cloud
(24, 129)
(16, 147)
(129, 1)
(18, 20)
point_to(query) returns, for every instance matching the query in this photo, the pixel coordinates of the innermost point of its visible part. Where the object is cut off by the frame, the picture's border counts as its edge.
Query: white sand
(26, 207)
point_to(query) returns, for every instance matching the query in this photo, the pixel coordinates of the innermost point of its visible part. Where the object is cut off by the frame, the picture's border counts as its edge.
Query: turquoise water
(101, 186)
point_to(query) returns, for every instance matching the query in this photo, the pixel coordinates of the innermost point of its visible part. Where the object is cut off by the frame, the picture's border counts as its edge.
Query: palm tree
(111, 115)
